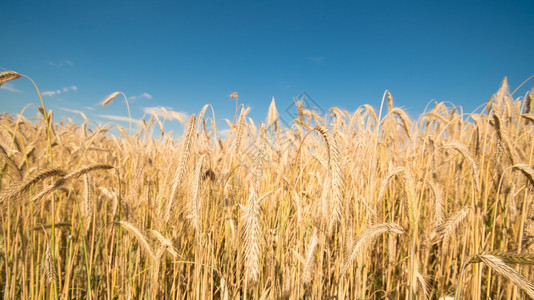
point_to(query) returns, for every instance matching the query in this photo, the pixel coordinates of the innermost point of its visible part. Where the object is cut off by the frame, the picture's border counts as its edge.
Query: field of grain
(350, 205)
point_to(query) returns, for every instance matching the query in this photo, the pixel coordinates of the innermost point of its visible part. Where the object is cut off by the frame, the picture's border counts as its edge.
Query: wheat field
(367, 204)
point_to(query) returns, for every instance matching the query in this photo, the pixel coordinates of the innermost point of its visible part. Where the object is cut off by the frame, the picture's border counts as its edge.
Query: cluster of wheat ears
(349, 205)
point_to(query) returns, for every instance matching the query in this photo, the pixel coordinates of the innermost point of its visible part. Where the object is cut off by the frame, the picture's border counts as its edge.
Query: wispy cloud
(59, 91)
(62, 63)
(74, 111)
(223, 132)
(167, 113)
(119, 118)
(144, 95)
(8, 86)
(89, 107)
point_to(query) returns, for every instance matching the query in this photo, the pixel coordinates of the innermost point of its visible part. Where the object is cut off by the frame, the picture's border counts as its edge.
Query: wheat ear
(497, 264)
(366, 238)
(336, 175)
(68, 178)
(49, 267)
(8, 76)
(470, 161)
(450, 224)
(182, 163)
(140, 237)
(21, 188)
(251, 237)
(307, 274)
(109, 98)
(195, 205)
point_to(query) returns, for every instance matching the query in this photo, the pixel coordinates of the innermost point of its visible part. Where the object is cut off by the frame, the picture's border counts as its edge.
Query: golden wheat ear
(109, 98)
(8, 76)
(497, 262)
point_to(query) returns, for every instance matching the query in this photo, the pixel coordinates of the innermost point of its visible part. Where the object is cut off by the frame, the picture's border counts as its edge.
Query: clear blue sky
(184, 54)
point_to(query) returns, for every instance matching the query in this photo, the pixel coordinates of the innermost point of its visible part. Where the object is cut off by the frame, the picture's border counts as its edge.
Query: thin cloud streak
(118, 118)
(59, 91)
(167, 113)
(8, 86)
(62, 63)
(74, 111)
(144, 95)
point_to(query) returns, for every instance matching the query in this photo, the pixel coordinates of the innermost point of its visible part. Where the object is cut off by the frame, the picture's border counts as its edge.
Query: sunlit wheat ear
(335, 173)
(240, 130)
(300, 111)
(8, 76)
(498, 265)
(372, 112)
(502, 136)
(528, 104)
(165, 242)
(421, 283)
(507, 257)
(257, 167)
(272, 116)
(526, 170)
(49, 267)
(251, 237)
(68, 178)
(366, 238)
(309, 265)
(139, 235)
(439, 202)
(475, 171)
(182, 163)
(109, 98)
(449, 225)
(385, 181)
(194, 205)
(86, 207)
(405, 120)
(21, 188)
(10, 163)
(390, 101)
(503, 90)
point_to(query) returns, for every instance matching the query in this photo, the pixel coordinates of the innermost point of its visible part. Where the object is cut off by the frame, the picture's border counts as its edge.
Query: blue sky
(184, 54)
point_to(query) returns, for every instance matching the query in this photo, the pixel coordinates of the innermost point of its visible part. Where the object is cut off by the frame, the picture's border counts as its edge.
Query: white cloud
(59, 91)
(89, 107)
(50, 93)
(119, 118)
(143, 95)
(8, 86)
(223, 132)
(74, 111)
(62, 63)
(167, 113)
